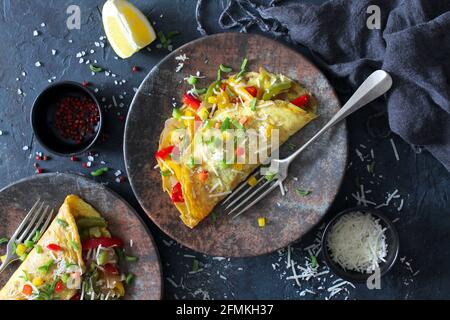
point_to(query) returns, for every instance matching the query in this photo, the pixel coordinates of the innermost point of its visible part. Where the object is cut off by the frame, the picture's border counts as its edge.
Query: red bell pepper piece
(191, 101)
(177, 193)
(203, 175)
(54, 247)
(164, 153)
(104, 242)
(110, 268)
(301, 101)
(27, 290)
(59, 286)
(252, 90)
(240, 151)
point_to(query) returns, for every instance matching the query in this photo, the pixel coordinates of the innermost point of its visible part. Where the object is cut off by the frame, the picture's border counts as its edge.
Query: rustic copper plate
(17, 198)
(319, 169)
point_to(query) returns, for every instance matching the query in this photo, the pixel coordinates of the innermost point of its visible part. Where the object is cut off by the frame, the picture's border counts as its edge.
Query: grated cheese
(357, 242)
(395, 150)
(219, 194)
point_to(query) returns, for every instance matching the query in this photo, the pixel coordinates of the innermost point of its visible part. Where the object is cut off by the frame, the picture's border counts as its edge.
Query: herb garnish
(314, 263)
(129, 278)
(243, 66)
(45, 267)
(166, 41)
(131, 258)
(74, 245)
(62, 223)
(38, 248)
(291, 146)
(225, 68)
(3, 240)
(303, 193)
(253, 104)
(214, 217)
(95, 68)
(195, 265)
(99, 172)
(29, 244)
(36, 236)
(165, 173)
(225, 124)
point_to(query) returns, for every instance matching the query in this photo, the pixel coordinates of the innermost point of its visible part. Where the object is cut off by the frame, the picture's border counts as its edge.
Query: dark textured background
(422, 182)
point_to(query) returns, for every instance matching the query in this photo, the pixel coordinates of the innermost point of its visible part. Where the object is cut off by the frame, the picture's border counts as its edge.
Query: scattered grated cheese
(214, 195)
(395, 149)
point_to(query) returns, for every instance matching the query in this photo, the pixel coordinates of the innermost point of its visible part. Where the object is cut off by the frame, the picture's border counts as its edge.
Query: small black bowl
(392, 242)
(43, 119)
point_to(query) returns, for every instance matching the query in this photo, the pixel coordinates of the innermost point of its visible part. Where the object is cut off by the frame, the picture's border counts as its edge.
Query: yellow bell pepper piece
(243, 93)
(261, 222)
(37, 282)
(212, 100)
(21, 249)
(269, 129)
(222, 100)
(252, 181)
(120, 289)
(203, 113)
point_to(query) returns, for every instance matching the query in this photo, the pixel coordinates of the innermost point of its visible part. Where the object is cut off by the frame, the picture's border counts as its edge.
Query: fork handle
(378, 83)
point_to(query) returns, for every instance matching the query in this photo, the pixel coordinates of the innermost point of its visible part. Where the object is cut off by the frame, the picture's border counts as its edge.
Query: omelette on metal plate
(222, 133)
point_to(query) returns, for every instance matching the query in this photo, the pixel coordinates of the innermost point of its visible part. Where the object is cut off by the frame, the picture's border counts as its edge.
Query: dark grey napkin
(413, 45)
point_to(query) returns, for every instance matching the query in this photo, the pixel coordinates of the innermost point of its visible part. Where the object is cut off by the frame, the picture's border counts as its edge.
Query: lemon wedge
(126, 27)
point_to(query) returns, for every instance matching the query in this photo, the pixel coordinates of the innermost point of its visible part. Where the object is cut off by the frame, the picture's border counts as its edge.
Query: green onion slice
(253, 104)
(99, 172)
(225, 68)
(303, 193)
(95, 68)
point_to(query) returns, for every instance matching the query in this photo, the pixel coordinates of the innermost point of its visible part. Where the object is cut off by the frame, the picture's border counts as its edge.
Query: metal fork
(37, 218)
(378, 83)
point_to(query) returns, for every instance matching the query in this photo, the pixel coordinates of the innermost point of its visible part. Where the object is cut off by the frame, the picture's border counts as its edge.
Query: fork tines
(255, 193)
(37, 219)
